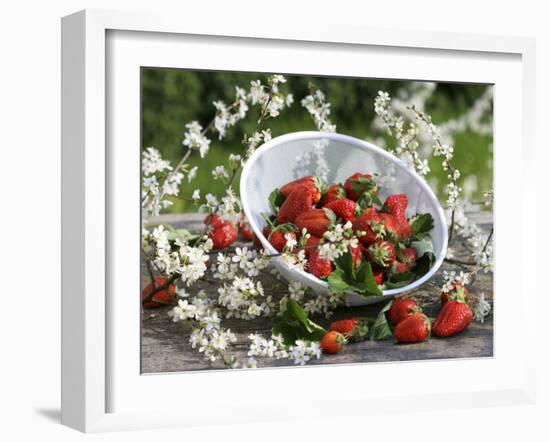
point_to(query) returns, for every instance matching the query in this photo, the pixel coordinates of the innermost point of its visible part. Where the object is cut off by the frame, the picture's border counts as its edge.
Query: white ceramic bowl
(291, 156)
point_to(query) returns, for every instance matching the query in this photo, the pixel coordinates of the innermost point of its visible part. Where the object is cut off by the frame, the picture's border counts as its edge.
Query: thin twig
(460, 262)
(488, 240)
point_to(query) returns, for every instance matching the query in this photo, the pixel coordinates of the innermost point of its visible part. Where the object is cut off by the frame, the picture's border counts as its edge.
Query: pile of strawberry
(386, 232)
(410, 325)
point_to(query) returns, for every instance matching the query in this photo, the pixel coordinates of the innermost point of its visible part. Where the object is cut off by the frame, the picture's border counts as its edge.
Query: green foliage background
(173, 97)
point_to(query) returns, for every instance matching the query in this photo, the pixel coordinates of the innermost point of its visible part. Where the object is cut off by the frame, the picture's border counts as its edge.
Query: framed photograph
(248, 214)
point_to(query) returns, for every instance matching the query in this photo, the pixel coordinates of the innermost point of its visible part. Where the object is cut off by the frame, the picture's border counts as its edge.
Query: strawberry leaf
(421, 223)
(295, 324)
(397, 280)
(381, 329)
(337, 283)
(275, 199)
(346, 278)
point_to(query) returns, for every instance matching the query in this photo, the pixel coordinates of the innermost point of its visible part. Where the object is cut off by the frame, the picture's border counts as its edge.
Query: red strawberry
(370, 223)
(396, 204)
(318, 266)
(312, 243)
(223, 235)
(404, 227)
(356, 254)
(408, 256)
(343, 208)
(244, 229)
(352, 329)
(163, 297)
(382, 253)
(332, 342)
(414, 328)
(457, 290)
(454, 317)
(391, 226)
(213, 220)
(402, 308)
(297, 202)
(313, 184)
(378, 276)
(358, 183)
(400, 267)
(277, 238)
(333, 193)
(316, 221)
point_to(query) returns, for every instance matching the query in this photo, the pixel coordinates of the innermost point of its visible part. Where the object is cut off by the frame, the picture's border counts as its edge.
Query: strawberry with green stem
(413, 329)
(298, 201)
(358, 185)
(454, 317)
(314, 185)
(352, 329)
(332, 342)
(402, 308)
(382, 253)
(316, 221)
(333, 193)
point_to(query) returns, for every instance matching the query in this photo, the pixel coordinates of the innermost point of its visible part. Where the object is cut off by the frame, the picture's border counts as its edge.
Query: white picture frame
(92, 365)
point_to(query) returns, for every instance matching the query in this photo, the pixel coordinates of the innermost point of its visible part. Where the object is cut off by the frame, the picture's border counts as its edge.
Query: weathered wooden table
(165, 346)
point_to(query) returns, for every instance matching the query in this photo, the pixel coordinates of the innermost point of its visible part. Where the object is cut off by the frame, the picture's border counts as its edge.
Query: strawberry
(391, 226)
(404, 228)
(457, 290)
(163, 297)
(316, 221)
(244, 228)
(358, 184)
(297, 202)
(370, 223)
(332, 342)
(453, 318)
(382, 253)
(357, 254)
(312, 243)
(318, 266)
(396, 204)
(277, 237)
(333, 193)
(223, 234)
(213, 220)
(402, 308)
(400, 267)
(314, 185)
(352, 329)
(412, 329)
(343, 208)
(408, 256)
(378, 276)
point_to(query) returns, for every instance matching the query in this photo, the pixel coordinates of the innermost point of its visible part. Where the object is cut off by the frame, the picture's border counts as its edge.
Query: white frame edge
(83, 188)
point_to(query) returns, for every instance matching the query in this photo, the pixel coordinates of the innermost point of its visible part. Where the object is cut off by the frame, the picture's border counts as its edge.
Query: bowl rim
(364, 145)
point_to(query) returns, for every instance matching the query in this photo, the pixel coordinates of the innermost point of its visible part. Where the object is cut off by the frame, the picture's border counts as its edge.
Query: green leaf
(422, 223)
(295, 324)
(423, 246)
(337, 283)
(345, 263)
(381, 329)
(330, 215)
(366, 278)
(275, 199)
(423, 265)
(182, 234)
(398, 280)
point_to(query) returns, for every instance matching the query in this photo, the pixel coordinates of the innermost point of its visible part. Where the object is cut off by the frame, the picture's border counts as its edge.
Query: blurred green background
(173, 97)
